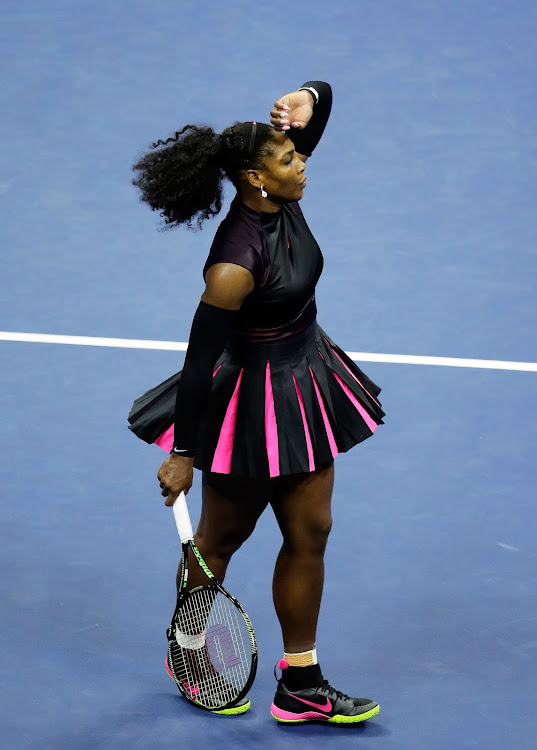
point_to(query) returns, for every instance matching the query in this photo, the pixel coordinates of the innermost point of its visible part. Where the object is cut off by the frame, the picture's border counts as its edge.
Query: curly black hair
(183, 179)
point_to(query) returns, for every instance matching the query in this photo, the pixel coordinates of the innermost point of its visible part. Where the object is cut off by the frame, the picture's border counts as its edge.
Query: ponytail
(182, 176)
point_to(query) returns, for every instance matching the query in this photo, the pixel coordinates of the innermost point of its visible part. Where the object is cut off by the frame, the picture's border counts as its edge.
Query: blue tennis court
(422, 198)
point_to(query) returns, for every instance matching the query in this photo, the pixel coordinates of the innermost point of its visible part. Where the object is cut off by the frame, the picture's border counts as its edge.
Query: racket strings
(194, 619)
(211, 655)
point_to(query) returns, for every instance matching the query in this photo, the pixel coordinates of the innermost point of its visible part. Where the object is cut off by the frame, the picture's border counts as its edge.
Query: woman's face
(283, 173)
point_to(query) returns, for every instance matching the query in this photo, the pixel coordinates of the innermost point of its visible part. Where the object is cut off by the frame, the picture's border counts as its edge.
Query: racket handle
(182, 519)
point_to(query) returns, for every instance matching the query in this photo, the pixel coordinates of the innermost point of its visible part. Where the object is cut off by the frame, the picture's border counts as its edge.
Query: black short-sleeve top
(285, 260)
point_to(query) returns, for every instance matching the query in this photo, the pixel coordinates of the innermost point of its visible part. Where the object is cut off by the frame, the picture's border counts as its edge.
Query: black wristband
(312, 92)
(186, 452)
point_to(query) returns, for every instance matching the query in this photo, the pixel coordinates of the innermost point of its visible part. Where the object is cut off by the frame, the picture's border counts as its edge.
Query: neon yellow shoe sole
(234, 710)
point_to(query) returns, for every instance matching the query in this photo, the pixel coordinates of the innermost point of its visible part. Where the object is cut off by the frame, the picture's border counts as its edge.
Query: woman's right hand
(293, 110)
(175, 476)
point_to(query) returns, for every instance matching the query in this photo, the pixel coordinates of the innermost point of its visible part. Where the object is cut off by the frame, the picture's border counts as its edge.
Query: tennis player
(266, 400)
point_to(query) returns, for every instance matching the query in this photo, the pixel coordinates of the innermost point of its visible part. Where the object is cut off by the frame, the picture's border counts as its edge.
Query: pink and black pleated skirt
(276, 408)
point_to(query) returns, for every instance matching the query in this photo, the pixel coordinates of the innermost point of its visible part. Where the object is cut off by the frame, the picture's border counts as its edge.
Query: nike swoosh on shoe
(326, 708)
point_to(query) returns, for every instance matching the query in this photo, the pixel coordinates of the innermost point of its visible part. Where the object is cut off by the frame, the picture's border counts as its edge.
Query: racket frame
(184, 528)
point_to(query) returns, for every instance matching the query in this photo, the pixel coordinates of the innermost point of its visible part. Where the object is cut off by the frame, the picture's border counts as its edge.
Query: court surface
(422, 198)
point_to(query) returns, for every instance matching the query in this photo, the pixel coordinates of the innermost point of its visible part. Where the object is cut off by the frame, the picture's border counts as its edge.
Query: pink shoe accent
(327, 426)
(365, 416)
(192, 690)
(353, 375)
(165, 441)
(279, 713)
(309, 446)
(271, 428)
(224, 449)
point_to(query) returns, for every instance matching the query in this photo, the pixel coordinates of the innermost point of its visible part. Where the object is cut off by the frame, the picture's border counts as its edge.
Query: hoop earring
(264, 193)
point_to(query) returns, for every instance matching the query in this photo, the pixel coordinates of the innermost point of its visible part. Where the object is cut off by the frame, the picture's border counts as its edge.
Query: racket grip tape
(182, 518)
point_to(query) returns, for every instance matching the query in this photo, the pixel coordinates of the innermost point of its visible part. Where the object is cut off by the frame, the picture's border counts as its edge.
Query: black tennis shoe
(202, 691)
(198, 678)
(323, 703)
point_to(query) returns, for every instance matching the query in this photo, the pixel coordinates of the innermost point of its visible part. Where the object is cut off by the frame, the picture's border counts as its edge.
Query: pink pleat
(165, 441)
(365, 416)
(271, 428)
(309, 445)
(224, 449)
(327, 426)
(353, 375)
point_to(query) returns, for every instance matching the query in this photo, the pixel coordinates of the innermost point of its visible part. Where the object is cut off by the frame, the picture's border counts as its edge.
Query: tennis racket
(212, 650)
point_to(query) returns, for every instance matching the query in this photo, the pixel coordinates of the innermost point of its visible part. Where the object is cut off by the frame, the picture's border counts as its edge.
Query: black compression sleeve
(209, 334)
(306, 140)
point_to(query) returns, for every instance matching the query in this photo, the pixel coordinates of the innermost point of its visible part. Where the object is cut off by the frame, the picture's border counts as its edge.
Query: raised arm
(227, 286)
(303, 115)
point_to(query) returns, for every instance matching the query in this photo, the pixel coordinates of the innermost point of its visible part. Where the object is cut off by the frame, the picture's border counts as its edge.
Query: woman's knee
(229, 513)
(308, 536)
(222, 543)
(303, 512)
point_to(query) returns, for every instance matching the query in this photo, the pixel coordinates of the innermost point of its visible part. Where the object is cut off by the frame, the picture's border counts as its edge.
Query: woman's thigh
(230, 508)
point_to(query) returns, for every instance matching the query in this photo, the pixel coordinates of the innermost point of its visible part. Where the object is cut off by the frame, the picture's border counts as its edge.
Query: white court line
(181, 346)
(48, 338)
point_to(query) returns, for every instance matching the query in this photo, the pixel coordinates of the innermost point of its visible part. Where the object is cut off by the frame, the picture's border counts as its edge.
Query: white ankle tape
(193, 642)
(302, 659)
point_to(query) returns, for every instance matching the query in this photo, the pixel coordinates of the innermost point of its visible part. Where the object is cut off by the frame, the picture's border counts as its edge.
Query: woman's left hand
(293, 110)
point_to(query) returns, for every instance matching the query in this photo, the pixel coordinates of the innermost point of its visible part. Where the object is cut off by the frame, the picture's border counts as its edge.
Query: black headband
(252, 142)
